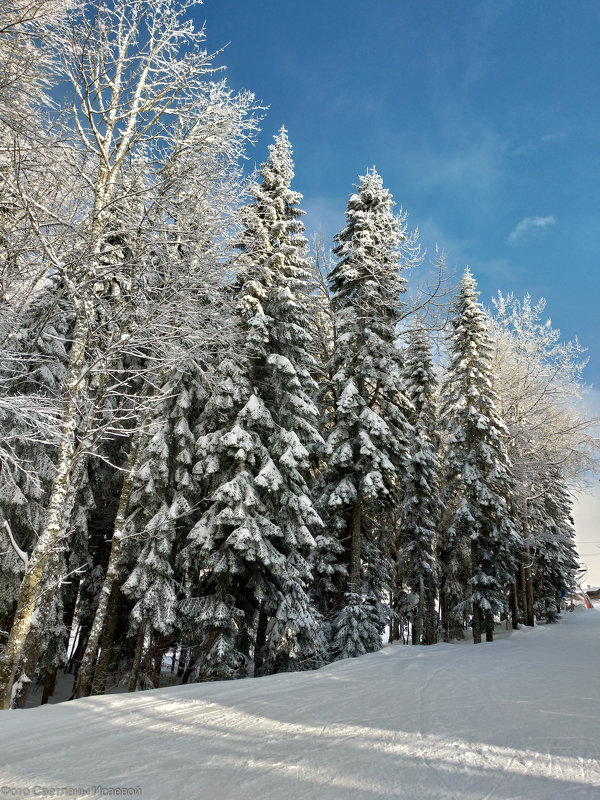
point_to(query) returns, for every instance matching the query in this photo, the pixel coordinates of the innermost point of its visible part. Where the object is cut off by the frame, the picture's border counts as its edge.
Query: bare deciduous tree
(141, 160)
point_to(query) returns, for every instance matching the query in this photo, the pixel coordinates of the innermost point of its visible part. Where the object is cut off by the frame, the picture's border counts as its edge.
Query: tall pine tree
(421, 506)
(554, 559)
(480, 541)
(367, 444)
(249, 549)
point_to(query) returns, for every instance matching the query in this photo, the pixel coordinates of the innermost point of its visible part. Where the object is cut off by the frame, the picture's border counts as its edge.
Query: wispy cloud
(467, 168)
(545, 140)
(528, 225)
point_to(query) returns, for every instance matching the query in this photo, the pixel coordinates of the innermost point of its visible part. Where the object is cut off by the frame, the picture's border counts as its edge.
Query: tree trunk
(30, 586)
(112, 575)
(529, 587)
(51, 585)
(49, 684)
(187, 673)
(526, 587)
(27, 666)
(526, 583)
(477, 623)
(158, 652)
(429, 613)
(184, 655)
(355, 541)
(33, 643)
(108, 640)
(514, 606)
(489, 627)
(69, 617)
(76, 659)
(137, 659)
(417, 622)
(394, 622)
(477, 619)
(445, 615)
(261, 639)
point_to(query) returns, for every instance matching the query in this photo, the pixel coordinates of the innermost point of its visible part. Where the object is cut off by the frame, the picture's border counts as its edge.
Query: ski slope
(519, 718)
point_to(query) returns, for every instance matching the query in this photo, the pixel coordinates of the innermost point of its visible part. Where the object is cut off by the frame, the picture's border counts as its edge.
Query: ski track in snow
(515, 720)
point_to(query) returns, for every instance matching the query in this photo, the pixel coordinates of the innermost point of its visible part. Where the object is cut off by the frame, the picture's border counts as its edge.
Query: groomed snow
(519, 718)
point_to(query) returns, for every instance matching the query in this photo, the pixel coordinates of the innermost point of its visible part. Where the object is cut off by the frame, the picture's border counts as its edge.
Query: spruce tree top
(368, 273)
(273, 232)
(471, 367)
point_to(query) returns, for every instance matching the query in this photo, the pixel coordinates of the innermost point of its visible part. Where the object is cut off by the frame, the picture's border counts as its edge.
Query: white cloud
(473, 166)
(530, 224)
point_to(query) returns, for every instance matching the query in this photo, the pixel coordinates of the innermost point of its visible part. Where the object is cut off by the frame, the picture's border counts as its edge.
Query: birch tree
(552, 439)
(140, 92)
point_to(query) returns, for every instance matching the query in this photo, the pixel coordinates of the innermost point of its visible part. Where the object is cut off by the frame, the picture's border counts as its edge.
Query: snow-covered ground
(519, 718)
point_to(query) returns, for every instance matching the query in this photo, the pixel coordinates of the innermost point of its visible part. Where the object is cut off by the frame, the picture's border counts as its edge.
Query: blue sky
(482, 117)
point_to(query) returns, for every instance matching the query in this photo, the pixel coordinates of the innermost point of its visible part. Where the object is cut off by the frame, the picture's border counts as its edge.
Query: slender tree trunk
(526, 587)
(77, 655)
(184, 655)
(187, 673)
(489, 627)
(53, 529)
(112, 575)
(49, 684)
(529, 588)
(417, 623)
(158, 652)
(523, 587)
(514, 606)
(32, 581)
(355, 541)
(69, 616)
(477, 619)
(137, 659)
(429, 613)
(261, 640)
(108, 639)
(477, 623)
(394, 635)
(50, 586)
(526, 583)
(445, 614)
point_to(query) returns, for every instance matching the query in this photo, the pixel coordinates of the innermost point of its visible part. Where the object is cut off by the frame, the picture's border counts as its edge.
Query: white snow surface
(519, 718)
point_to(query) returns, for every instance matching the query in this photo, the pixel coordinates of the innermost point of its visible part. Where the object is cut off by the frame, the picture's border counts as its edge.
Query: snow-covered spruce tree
(367, 444)
(247, 554)
(421, 504)
(480, 542)
(161, 504)
(554, 555)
